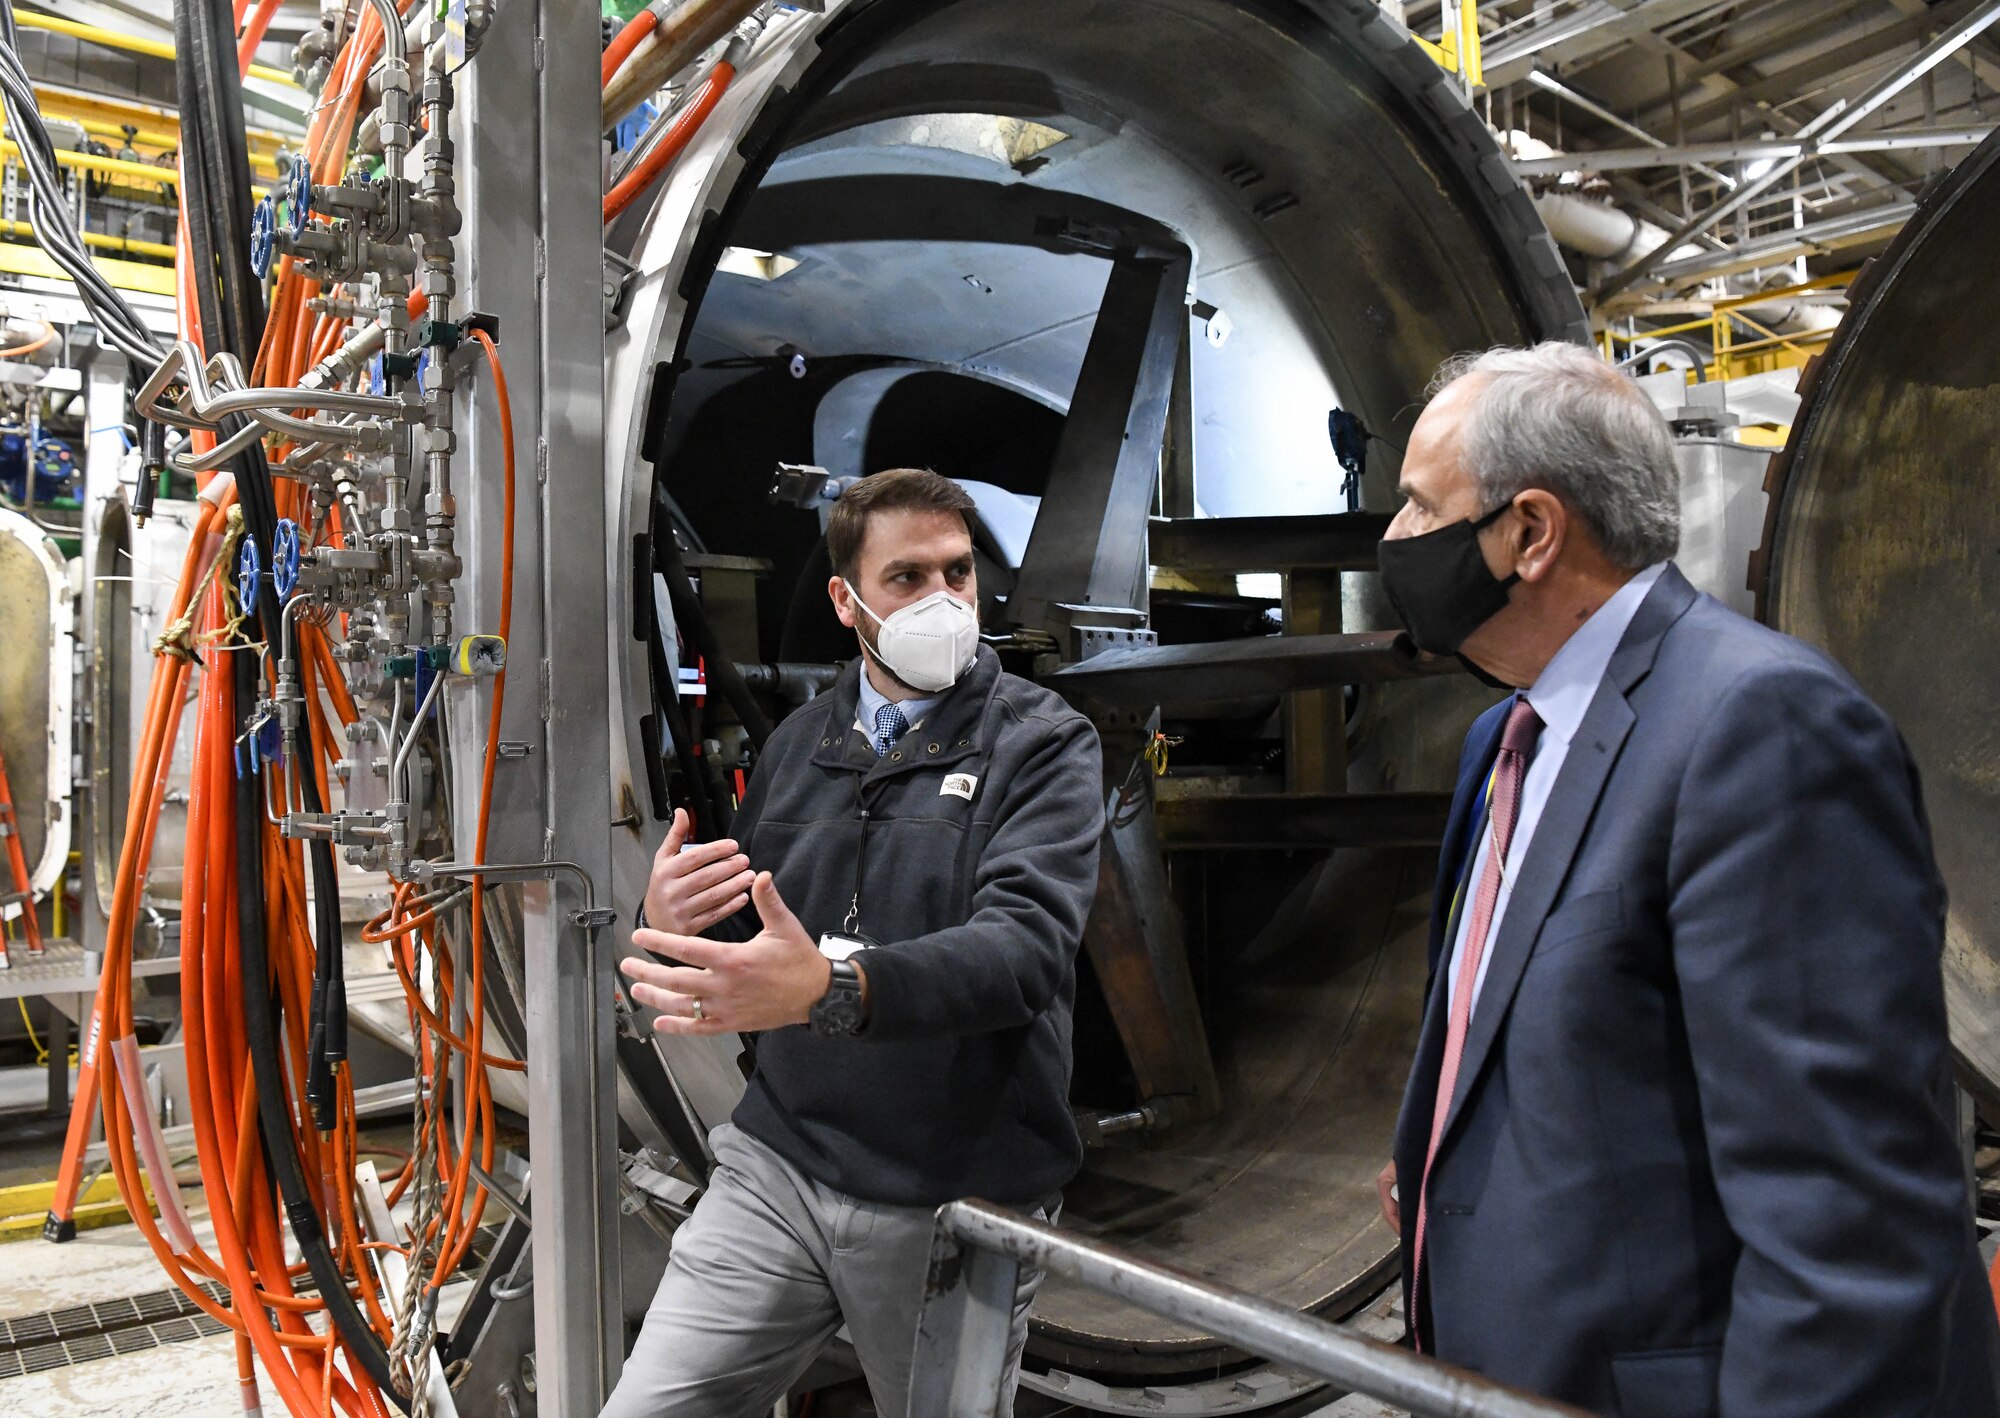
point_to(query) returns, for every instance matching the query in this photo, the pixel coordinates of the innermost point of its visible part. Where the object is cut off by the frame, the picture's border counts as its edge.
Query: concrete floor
(178, 1379)
(193, 1377)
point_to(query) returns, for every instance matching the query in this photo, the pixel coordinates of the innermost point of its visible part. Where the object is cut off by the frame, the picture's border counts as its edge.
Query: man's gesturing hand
(692, 890)
(766, 982)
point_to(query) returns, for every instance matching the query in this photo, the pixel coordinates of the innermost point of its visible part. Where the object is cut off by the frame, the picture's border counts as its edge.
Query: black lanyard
(852, 925)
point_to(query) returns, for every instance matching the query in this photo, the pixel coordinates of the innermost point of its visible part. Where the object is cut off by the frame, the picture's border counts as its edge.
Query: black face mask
(1440, 585)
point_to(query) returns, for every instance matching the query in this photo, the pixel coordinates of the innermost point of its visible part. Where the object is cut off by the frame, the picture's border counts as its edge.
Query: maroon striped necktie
(1510, 769)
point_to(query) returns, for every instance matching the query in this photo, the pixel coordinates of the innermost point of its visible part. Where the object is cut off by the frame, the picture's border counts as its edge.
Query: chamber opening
(911, 271)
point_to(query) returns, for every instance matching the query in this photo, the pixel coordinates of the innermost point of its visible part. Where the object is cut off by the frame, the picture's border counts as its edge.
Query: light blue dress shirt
(1560, 695)
(873, 699)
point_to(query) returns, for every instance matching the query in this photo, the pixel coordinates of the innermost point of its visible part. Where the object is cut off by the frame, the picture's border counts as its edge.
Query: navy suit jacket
(1702, 1158)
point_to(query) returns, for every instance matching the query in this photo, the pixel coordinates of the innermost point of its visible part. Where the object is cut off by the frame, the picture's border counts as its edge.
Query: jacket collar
(954, 729)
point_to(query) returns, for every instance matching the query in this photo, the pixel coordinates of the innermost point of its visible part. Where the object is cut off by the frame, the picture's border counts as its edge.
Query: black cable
(194, 185)
(226, 161)
(49, 211)
(232, 318)
(722, 670)
(260, 1019)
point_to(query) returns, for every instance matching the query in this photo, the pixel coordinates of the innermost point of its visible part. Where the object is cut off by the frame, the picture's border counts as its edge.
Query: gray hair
(1557, 417)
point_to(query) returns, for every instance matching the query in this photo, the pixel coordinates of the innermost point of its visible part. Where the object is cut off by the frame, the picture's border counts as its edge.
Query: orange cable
(683, 128)
(625, 41)
(16, 351)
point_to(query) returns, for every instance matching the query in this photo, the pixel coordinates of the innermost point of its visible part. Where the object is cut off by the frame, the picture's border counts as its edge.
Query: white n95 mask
(927, 645)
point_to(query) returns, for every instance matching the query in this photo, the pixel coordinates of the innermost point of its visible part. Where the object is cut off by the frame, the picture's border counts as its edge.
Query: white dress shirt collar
(872, 700)
(1561, 694)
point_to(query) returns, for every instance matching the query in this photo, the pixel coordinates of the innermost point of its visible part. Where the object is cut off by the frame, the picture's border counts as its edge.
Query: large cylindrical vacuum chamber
(899, 197)
(1883, 546)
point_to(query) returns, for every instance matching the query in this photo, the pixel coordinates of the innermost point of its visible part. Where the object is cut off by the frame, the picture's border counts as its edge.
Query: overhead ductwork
(1600, 230)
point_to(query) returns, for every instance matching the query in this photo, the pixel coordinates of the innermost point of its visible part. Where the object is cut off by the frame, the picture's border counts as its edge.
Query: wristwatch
(839, 1009)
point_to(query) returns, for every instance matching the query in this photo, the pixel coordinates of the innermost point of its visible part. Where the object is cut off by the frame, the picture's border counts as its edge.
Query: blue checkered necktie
(889, 726)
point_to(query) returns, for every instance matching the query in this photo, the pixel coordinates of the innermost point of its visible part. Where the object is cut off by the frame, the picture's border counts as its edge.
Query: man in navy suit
(1680, 1137)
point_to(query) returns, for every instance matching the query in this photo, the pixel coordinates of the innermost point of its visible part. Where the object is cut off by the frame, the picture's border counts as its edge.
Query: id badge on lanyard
(838, 945)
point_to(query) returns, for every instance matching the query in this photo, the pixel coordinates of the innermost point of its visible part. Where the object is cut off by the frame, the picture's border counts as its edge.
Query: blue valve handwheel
(249, 566)
(285, 557)
(263, 236)
(300, 192)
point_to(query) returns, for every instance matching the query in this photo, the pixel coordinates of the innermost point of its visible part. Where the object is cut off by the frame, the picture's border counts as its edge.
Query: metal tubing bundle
(312, 611)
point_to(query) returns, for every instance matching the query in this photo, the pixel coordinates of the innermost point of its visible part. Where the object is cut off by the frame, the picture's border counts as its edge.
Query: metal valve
(299, 192)
(249, 566)
(285, 558)
(263, 236)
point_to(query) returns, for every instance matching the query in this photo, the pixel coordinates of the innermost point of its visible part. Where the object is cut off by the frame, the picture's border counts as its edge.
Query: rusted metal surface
(1276, 1195)
(1883, 547)
(1137, 944)
(1315, 719)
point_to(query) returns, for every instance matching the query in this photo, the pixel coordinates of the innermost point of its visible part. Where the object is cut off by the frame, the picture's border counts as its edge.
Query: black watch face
(839, 1010)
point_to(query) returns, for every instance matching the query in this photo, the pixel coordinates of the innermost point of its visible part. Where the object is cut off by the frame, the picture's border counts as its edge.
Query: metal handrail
(977, 1253)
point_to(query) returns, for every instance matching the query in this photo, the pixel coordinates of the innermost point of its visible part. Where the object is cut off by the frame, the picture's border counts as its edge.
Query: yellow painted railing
(102, 241)
(158, 127)
(1739, 344)
(1445, 50)
(142, 173)
(19, 259)
(131, 44)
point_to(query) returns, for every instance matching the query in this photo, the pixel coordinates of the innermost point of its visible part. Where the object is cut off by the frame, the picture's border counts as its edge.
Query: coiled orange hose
(312, 1373)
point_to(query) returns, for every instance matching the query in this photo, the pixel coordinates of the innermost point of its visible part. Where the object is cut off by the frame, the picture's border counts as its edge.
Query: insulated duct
(1604, 232)
(1600, 230)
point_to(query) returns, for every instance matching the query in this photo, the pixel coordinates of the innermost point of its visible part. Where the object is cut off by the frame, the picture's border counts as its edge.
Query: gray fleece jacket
(979, 867)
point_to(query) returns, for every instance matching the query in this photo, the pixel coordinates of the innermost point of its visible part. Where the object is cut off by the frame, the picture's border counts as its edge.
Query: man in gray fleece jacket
(920, 845)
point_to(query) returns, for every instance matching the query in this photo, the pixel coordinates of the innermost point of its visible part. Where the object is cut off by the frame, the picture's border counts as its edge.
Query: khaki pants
(763, 1275)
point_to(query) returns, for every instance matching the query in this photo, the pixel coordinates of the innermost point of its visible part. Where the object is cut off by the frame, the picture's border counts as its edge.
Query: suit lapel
(1572, 801)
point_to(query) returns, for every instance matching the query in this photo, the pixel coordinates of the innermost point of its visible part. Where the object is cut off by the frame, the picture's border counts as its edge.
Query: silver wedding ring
(697, 1010)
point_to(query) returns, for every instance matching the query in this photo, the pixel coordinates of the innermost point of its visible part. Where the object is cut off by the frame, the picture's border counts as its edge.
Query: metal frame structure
(1772, 133)
(1828, 127)
(532, 148)
(977, 1255)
